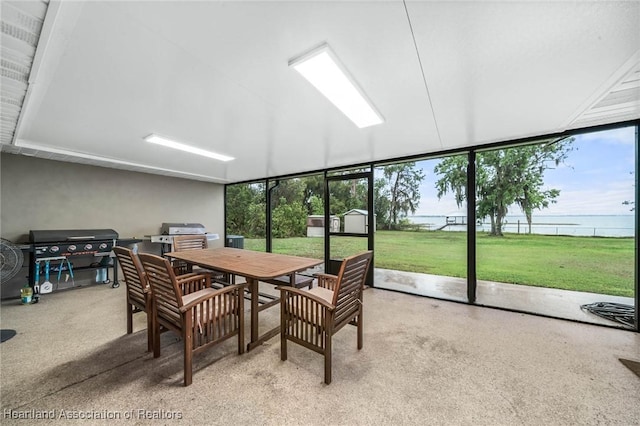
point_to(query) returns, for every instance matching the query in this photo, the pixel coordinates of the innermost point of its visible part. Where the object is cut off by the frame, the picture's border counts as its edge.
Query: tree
(288, 213)
(345, 195)
(382, 205)
(287, 191)
(288, 220)
(399, 189)
(505, 177)
(532, 198)
(314, 194)
(315, 205)
(454, 172)
(293, 199)
(246, 210)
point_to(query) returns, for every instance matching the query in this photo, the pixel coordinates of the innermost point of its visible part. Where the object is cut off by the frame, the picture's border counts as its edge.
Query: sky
(594, 180)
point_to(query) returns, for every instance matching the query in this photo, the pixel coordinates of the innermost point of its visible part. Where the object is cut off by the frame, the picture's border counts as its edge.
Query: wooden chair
(193, 242)
(188, 306)
(186, 242)
(311, 317)
(138, 291)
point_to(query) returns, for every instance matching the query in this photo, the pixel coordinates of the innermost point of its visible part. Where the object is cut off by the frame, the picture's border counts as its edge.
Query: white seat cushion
(322, 293)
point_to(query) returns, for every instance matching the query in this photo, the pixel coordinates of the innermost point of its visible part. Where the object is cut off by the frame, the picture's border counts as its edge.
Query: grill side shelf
(94, 262)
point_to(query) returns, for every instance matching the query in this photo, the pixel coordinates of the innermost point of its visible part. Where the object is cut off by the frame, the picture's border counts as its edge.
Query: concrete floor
(550, 302)
(424, 361)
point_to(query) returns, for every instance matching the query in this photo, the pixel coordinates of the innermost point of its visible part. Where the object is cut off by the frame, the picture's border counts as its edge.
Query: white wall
(44, 194)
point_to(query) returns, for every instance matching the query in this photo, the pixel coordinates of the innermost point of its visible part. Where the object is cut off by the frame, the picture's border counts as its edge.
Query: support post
(471, 228)
(268, 233)
(635, 253)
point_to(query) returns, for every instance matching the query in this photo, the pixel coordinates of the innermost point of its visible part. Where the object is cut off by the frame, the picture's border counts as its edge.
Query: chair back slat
(189, 242)
(347, 296)
(165, 290)
(132, 271)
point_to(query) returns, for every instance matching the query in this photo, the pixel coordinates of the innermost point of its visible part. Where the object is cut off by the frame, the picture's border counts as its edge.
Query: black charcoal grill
(75, 242)
(57, 245)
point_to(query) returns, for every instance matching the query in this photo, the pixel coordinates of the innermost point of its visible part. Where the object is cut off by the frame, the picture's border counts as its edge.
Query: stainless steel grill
(169, 230)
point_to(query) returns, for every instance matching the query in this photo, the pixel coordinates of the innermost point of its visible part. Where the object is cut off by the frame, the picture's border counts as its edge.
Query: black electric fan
(11, 259)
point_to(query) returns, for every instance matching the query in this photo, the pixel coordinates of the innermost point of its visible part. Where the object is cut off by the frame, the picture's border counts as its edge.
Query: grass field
(598, 265)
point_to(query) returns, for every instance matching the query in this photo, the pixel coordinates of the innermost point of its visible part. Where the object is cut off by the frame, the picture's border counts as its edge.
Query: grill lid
(50, 236)
(182, 228)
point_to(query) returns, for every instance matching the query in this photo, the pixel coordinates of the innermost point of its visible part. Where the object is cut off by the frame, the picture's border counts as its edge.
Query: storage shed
(315, 225)
(357, 221)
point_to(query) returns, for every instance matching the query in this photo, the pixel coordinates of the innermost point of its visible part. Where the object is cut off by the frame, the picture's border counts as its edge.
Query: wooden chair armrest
(209, 293)
(146, 288)
(304, 294)
(190, 283)
(327, 281)
(187, 275)
(324, 275)
(191, 274)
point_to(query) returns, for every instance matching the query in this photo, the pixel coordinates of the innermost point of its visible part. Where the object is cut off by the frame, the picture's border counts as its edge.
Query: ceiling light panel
(161, 140)
(322, 68)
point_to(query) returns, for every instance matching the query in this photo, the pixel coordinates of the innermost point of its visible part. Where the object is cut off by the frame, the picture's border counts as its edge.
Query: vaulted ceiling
(86, 81)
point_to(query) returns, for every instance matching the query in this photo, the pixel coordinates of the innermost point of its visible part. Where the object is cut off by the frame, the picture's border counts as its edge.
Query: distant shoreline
(604, 225)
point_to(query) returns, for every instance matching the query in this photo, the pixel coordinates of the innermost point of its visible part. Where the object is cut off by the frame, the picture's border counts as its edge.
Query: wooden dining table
(254, 266)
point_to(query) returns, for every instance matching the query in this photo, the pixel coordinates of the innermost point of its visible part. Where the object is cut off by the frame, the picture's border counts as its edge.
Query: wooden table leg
(253, 287)
(256, 339)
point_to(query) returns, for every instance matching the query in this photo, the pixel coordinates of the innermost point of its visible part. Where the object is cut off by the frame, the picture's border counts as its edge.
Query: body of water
(587, 225)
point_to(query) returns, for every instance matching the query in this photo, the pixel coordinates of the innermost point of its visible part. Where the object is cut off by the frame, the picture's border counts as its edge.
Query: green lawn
(598, 265)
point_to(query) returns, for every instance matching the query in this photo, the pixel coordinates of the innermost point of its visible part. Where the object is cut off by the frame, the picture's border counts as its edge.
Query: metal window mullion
(635, 253)
(471, 228)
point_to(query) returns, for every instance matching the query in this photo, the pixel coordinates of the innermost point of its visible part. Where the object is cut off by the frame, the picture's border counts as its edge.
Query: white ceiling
(444, 74)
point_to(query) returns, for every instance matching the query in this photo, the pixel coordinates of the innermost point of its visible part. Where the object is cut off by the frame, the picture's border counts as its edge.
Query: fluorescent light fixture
(74, 156)
(160, 140)
(323, 69)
